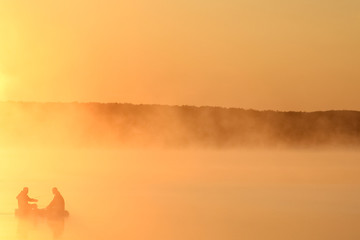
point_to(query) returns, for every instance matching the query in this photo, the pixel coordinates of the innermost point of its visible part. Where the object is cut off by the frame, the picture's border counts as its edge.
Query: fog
(159, 172)
(162, 172)
(127, 125)
(186, 194)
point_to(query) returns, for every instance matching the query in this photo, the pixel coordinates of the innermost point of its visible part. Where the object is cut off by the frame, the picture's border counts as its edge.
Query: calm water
(186, 194)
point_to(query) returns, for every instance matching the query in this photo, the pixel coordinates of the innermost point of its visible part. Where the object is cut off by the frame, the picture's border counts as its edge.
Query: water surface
(186, 194)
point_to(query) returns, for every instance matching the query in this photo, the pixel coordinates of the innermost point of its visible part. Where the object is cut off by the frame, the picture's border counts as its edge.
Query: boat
(41, 213)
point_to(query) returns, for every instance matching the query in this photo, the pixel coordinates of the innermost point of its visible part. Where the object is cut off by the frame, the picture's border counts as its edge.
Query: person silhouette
(23, 201)
(56, 208)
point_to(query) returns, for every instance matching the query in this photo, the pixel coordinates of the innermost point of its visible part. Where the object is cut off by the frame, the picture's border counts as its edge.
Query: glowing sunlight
(179, 120)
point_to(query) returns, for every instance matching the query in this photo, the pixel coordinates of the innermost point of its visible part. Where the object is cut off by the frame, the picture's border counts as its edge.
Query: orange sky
(284, 55)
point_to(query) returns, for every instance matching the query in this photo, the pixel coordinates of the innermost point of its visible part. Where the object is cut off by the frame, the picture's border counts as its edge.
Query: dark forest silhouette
(113, 124)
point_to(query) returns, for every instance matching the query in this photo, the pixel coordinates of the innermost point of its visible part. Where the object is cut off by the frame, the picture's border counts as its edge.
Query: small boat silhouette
(41, 213)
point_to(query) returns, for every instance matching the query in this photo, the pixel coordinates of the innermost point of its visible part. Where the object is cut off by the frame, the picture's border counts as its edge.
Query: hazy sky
(279, 54)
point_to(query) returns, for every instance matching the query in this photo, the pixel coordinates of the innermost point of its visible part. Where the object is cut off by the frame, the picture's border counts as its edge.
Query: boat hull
(41, 213)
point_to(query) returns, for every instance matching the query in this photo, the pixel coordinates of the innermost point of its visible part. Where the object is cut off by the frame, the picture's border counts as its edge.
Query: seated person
(57, 205)
(23, 201)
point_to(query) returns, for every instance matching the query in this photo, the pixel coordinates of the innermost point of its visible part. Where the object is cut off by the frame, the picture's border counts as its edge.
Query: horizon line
(175, 105)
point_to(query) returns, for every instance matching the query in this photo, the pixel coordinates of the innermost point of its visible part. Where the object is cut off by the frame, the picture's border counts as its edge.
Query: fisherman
(57, 206)
(23, 201)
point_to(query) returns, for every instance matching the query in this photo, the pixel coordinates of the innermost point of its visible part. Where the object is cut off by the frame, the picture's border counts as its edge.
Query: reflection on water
(25, 226)
(57, 227)
(192, 195)
(28, 226)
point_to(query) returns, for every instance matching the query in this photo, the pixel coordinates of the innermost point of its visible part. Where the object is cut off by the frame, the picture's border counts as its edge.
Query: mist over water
(115, 125)
(186, 194)
(159, 172)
